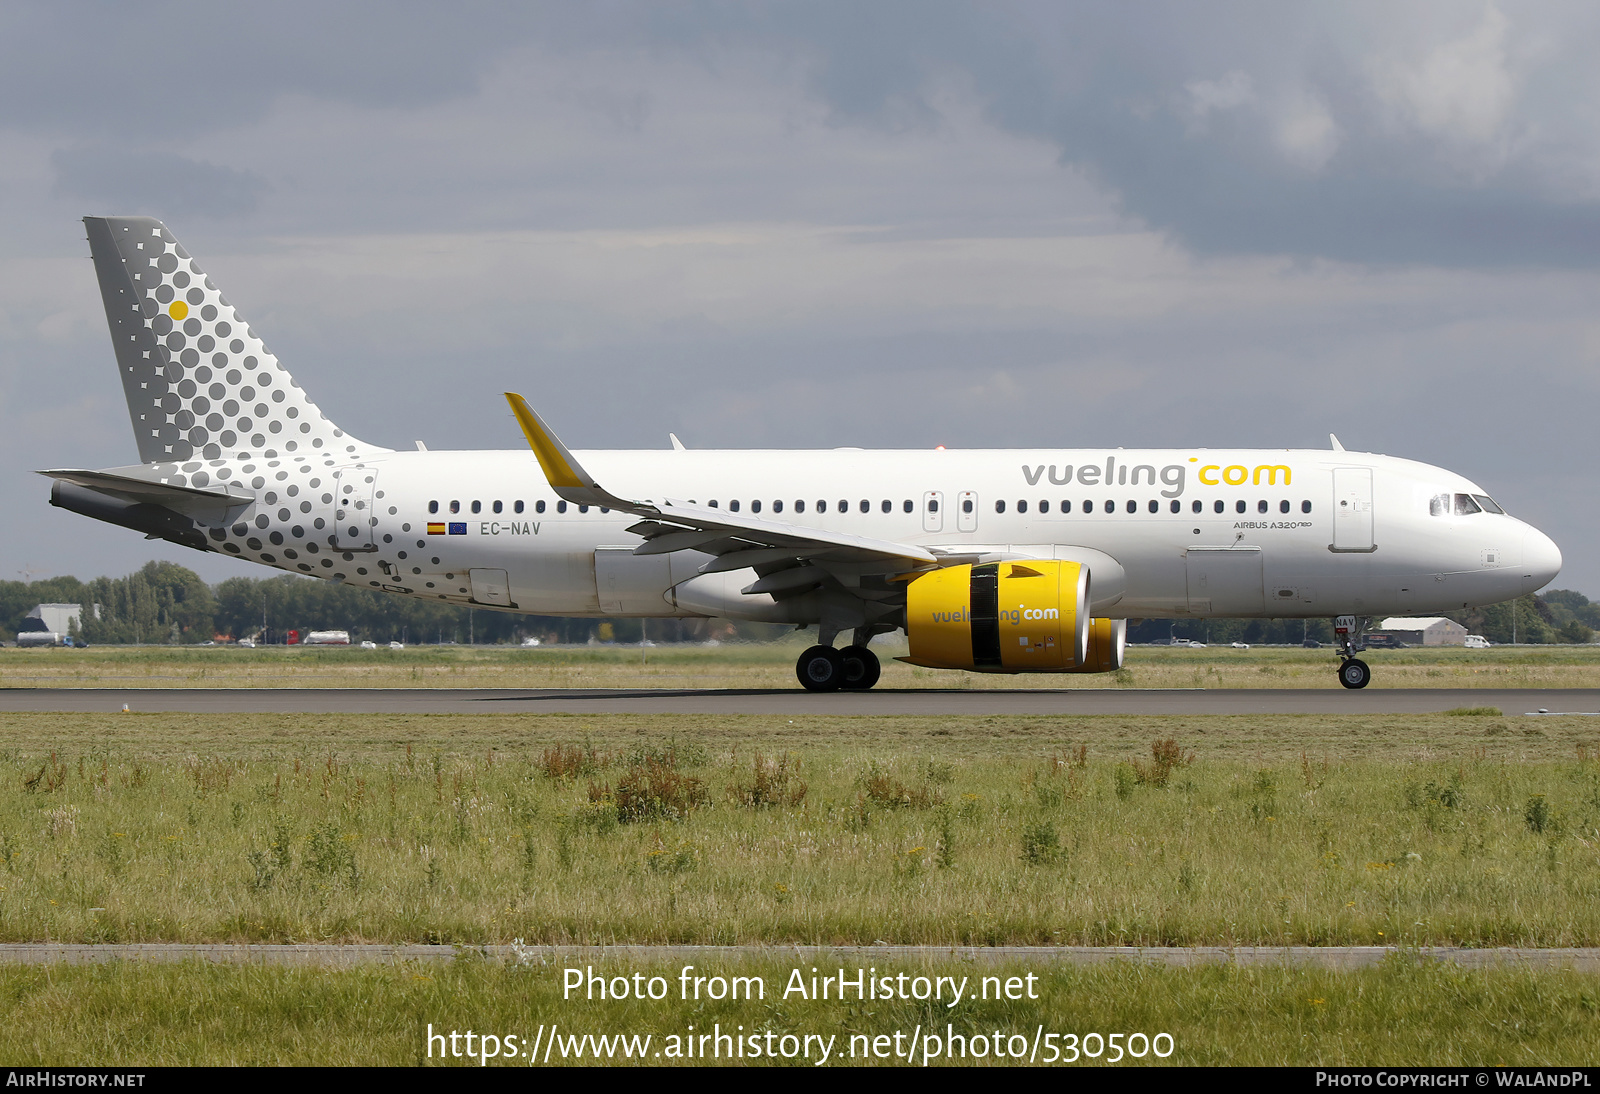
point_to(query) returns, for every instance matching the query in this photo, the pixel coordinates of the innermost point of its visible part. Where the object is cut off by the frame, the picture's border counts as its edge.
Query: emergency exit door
(1352, 509)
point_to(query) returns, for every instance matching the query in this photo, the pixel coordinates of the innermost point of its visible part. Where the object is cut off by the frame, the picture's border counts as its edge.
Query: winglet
(566, 475)
(1337, 447)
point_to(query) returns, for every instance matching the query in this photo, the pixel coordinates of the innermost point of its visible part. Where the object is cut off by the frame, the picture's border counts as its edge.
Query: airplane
(1002, 561)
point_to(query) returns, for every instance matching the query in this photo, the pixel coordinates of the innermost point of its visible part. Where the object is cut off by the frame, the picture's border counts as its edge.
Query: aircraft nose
(1541, 560)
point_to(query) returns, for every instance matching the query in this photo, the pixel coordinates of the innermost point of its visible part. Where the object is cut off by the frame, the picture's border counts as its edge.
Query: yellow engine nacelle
(1028, 616)
(1108, 641)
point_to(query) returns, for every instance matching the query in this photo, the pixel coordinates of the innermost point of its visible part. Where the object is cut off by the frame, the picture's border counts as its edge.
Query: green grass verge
(1404, 1012)
(1287, 830)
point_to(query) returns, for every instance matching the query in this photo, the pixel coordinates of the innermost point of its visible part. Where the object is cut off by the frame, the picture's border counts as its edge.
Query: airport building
(1431, 631)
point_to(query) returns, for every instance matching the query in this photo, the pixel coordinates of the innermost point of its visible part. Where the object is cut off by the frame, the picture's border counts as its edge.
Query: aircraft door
(1352, 509)
(933, 511)
(353, 517)
(1225, 580)
(967, 511)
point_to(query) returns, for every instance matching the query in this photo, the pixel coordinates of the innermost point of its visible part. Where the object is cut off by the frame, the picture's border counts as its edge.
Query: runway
(1327, 957)
(790, 702)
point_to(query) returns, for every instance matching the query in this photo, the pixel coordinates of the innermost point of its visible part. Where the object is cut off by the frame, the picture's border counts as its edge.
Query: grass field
(764, 665)
(1476, 830)
(133, 1015)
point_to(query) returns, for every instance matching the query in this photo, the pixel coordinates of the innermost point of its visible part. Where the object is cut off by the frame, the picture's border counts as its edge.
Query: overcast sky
(814, 224)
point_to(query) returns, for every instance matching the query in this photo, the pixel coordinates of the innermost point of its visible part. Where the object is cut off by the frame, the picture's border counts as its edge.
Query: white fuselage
(1194, 532)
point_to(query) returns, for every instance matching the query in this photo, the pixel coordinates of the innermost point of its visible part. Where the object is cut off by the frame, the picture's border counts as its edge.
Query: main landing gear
(823, 668)
(1348, 632)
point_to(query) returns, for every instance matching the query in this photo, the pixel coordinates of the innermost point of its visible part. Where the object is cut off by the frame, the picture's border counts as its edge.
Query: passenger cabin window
(1044, 507)
(538, 506)
(887, 506)
(712, 503)
(455, 507)
(1111, 506)
(1238, 506)
(1218, 506)
(933, 505)
(1261, 506)
(517, 506)
(1177, 506)
(1155, 506)
(1133, 506)
(999, 507)
(477, 507)
(733, 506)
(777, 507)
(561, 507)
(908, 506)
(844, 506)
(755, 506)
(1022, 506)
(1439, 505)
(433, 507)
(865, 506)
(800, 505)
(1283, 506)
(1465, 506)
(1066, 507)
(1197, 506)
(1305, 507)
(583, 508)
(498, 506)
(1088, 508)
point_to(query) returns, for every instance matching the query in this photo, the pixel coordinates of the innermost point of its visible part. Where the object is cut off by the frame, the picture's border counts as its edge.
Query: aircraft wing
(209, 505)
(737, 541)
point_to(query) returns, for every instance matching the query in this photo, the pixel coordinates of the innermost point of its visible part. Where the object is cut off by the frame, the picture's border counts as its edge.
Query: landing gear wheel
(820, 668)
(1354, 673)
(861, 668)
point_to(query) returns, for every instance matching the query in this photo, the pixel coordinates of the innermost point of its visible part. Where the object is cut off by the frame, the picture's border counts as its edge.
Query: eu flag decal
(458, 528)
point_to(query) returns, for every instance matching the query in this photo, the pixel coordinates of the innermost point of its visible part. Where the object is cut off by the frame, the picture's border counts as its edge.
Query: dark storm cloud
(1237, 128)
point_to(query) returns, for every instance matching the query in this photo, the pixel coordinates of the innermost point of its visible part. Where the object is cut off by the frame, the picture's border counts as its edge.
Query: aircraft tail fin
(200, 383)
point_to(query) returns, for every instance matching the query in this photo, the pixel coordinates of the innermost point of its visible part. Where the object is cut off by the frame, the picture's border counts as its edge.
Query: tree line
(166, 604)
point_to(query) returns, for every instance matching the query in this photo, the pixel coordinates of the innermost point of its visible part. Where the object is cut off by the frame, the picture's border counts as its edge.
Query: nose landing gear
(1354, 673)
(1348, 633)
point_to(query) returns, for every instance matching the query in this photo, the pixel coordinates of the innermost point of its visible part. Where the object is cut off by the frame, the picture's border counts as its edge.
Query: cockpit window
(1439, 505)
(1488, 504)
(1465, 506)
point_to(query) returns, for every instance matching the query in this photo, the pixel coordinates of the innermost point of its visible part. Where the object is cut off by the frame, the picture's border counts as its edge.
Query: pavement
(793, 701)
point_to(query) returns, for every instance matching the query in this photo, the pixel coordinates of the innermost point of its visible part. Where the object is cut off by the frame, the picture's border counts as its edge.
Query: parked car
(1476, 642)
(1311, 644)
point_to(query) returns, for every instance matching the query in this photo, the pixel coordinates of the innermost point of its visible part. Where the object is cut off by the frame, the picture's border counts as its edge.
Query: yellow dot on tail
(178, 310)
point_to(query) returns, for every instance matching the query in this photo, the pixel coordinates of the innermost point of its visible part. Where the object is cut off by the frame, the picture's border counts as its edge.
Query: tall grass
(662, 840)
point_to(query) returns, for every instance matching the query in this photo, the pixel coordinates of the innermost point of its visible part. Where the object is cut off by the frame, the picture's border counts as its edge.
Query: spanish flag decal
(435, 529)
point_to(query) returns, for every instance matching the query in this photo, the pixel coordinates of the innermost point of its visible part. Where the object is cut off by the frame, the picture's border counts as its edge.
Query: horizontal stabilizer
(210, 506)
